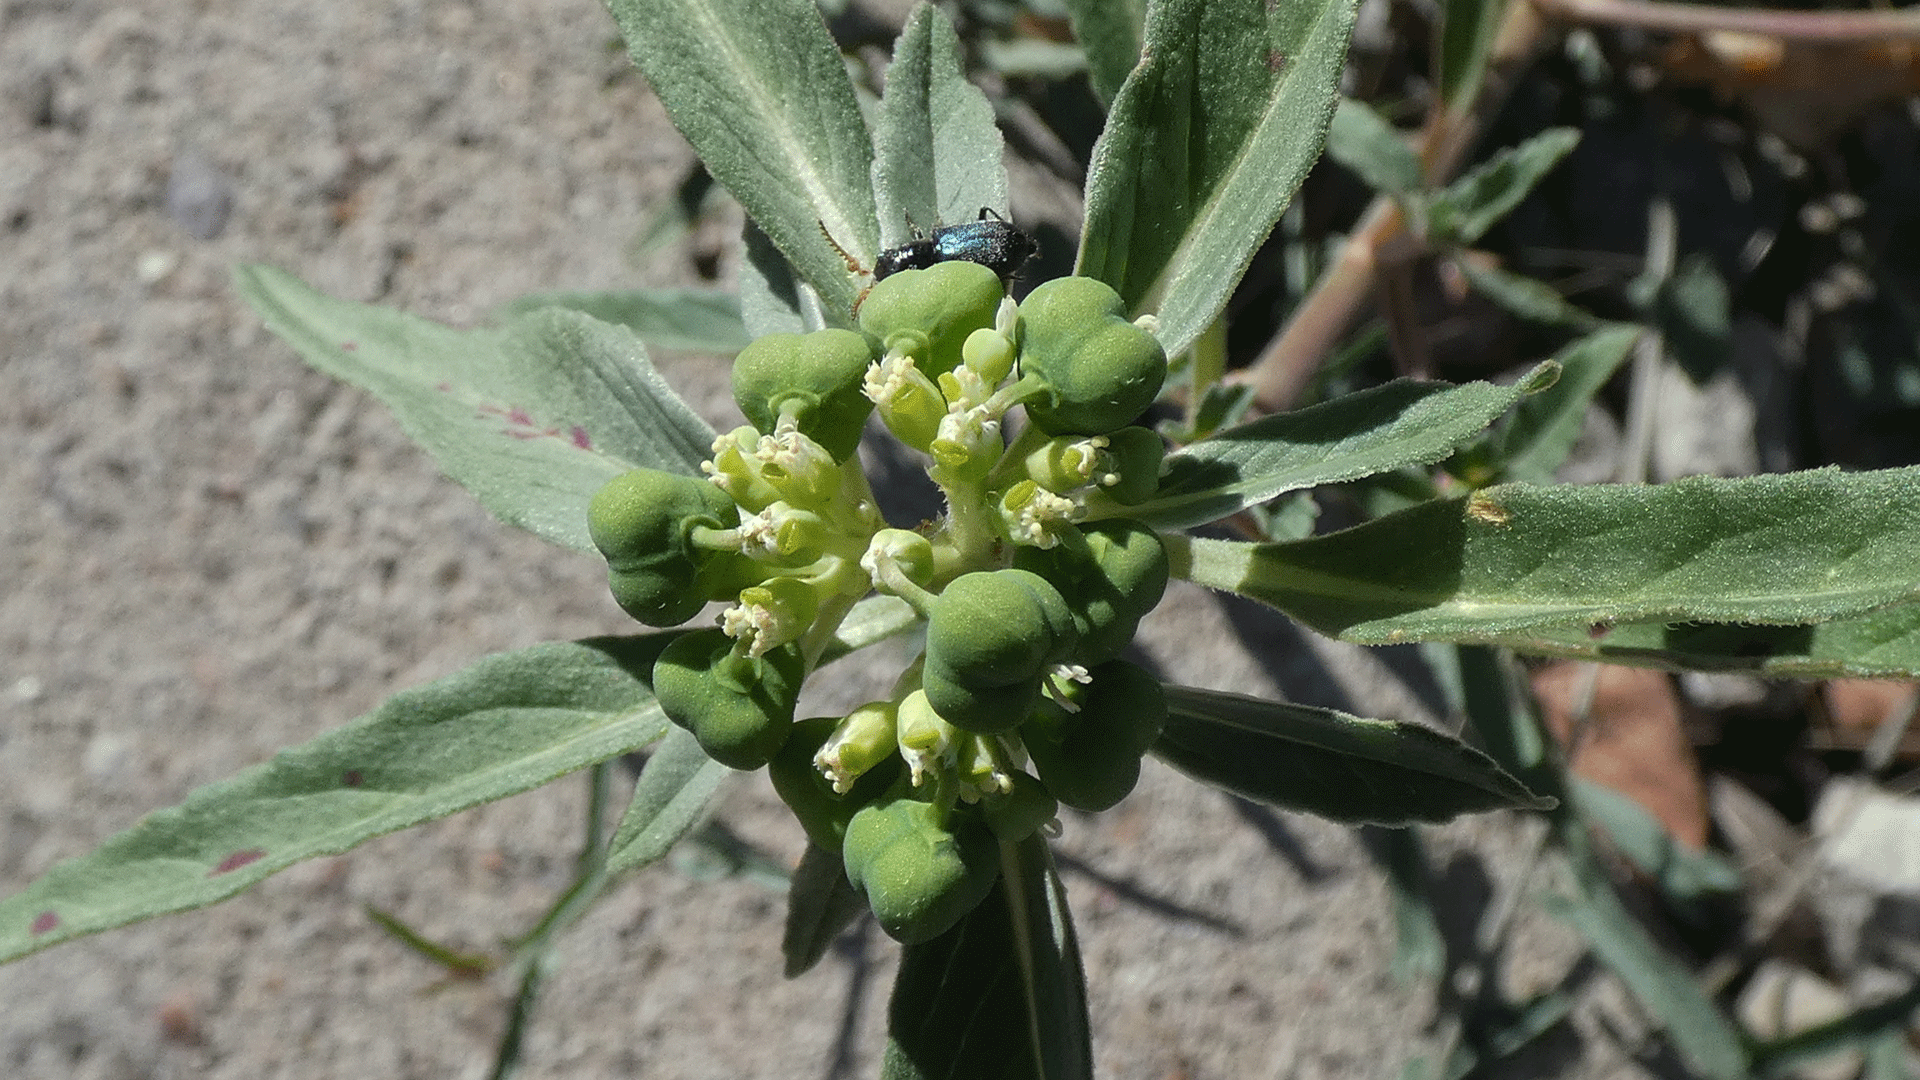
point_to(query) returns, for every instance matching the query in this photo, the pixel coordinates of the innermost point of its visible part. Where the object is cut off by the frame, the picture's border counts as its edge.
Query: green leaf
(1525, 297)
(1781, 550)
(1705, 1040)
(1109, 31)
(1883, 644)
(1545, 426)
(1692, 309)
(1002, 994)
(1688, 876)
(1383, 772)
(1362, 141)
(759, 88)
(872, 620)
(669, 799)
(1467, 31)
(508, 723)
(690, 320)
(1208, 140)
(936, 149)
(1468, 207)
(1389, 427)
(1862, 1029)
(532, 418)
(770, 301)
(820, 904)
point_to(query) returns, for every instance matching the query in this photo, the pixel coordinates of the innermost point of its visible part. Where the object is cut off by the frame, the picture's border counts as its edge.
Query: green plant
(1056, 541)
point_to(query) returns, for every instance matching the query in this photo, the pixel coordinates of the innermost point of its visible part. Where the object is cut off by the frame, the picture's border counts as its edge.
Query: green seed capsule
(1090, 759)
(822, 811)
(1131, 468)
(998, 628)
(642, 522)
(1100, 369)
(815, 378)
(921, 875)
(930, 312)
(739, 707)
(1115, 575)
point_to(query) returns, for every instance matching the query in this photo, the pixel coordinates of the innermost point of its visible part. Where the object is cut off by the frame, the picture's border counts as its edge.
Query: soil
(212, 552)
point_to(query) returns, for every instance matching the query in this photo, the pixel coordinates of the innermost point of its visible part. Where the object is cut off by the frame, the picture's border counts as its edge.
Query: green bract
(814, 379)
(922, 867)
(740, 707)
(1111, 573)
(642, 522)
(1100, 370)
(929, 313)
(1090, 759)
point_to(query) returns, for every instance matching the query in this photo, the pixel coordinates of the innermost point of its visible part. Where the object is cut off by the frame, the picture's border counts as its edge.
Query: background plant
(1496, 510)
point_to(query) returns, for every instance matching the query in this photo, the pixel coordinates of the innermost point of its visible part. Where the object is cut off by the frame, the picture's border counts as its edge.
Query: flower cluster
(1031, 584)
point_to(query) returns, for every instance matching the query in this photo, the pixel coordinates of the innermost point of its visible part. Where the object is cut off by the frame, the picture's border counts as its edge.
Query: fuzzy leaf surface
(669, 799)
(1002, 994)
(690, 320)
(820, 904)
(1882, 644)
(1320, 761)
(1544, 427)
(532, 418)
(1388, 427)
(1464, 210)
(936, 148)
(1208, 139)
(1109, 31)
(1778, 550)
(759, 88)
(507, 724)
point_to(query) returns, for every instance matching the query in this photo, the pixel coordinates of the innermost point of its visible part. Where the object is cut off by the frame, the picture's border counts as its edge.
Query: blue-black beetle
(992, 242)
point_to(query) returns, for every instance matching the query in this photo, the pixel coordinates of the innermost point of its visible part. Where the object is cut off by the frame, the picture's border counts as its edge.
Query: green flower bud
(823, 809)
(785, 534)
(931, 312)
(862, 741)
(1036, 516)
(1021, 811)
(642, 521)
(814, 379)
(1090, 758)
(1114, 571)
(895, 554)
(1101, 371)
(928, 743)
(922, 870)
(739, 707)
(908, 402)
(771, 614)
(988, 353)
(735, 468)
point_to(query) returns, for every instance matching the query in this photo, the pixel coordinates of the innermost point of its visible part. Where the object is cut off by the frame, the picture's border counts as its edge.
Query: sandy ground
(210, 552)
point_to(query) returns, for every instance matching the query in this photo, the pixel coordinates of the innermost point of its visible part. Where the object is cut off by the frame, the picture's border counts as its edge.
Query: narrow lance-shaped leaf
(936, 149)
(669, 799)
(1471, 205)
(1883, 644)
(1528, 298)
(1389, 427)
(1109, 31)
(1544, 427)
(508, 723)
(1002, 994)
(820, 904)
(1347, 768)
(1467, 31)
(1783, 550)
(759, 88)
(1361, 140)
(691, 320)
(531, 418)
(1208, 140)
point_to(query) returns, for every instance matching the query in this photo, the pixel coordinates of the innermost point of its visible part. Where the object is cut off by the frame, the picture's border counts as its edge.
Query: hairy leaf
(1471, 205)
(1208, 140)
(669, 799)
(1109, 31)
(691, 320)
(936, 149)
(1000, 995)
(1882, 644)
(1389, 427)
(532, 418)
(1361, 140)
(1525, 297)
(1781, 550)
(1343, 767)
(759, 88)
(820, 904)
(508, 723)
(1544, 427)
